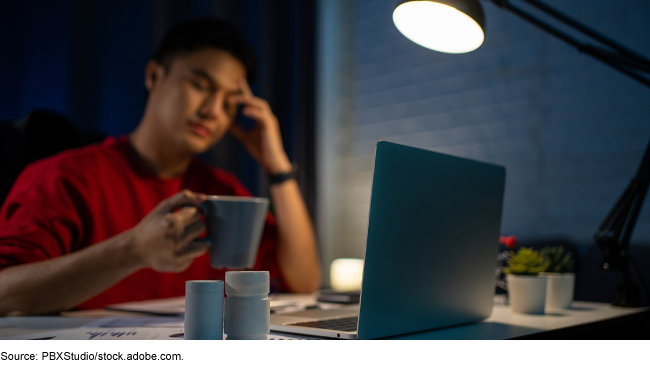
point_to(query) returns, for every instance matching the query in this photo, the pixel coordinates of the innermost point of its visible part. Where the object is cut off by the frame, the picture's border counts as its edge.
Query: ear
(153, 73)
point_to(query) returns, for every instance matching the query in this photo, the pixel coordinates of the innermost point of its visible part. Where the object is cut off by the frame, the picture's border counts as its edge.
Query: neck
(154, 152)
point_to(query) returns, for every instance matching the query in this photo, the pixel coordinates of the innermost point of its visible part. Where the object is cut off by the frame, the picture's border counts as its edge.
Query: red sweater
(83, 196)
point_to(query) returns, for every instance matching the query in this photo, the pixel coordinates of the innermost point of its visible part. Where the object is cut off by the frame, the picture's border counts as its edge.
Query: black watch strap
(282, 177)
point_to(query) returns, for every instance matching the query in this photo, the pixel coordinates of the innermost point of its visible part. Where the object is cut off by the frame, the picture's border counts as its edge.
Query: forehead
(220, 65)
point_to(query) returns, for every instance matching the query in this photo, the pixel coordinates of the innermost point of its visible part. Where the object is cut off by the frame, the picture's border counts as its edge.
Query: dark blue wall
(569, 130)
(82, 59)
(86, 59)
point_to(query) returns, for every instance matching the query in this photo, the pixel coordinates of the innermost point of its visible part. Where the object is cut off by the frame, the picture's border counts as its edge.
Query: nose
(213, 107)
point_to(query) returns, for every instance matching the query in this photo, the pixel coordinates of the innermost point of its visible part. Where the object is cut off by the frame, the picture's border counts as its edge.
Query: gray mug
(234, 227)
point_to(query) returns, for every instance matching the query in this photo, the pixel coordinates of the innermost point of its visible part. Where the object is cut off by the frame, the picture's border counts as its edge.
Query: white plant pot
(527, 293)
(559, 289)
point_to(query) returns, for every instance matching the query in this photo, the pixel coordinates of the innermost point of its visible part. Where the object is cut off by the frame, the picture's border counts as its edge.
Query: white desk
(17, 326)
(502, 324)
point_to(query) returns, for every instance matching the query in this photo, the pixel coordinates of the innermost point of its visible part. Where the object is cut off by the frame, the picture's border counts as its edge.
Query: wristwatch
(282, 177)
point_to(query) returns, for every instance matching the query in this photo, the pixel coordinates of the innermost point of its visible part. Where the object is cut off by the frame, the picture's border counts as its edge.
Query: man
(116, 221)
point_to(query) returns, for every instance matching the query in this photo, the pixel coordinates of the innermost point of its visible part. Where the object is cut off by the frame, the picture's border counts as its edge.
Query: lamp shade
(450, 26)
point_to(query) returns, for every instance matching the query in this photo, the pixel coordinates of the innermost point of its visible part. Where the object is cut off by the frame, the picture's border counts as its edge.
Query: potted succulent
(526, 289)
(560, 277)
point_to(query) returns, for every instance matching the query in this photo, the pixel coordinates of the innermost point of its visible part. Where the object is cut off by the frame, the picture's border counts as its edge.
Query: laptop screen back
(432, 241)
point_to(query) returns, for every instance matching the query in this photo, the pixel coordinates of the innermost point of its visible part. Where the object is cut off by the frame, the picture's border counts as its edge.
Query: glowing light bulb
(438, 27)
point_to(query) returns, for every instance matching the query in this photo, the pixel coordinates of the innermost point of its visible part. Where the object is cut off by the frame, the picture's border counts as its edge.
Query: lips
(200, 130)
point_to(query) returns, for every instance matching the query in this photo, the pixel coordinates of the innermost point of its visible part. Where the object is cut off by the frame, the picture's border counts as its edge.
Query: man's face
(194, 100)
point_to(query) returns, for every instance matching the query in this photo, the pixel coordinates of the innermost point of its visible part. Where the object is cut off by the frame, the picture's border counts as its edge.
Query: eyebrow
(204, 74)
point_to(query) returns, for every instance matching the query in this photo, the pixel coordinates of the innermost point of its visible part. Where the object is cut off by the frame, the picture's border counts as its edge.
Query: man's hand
(164, 240)
(297, 253)
(263, 142)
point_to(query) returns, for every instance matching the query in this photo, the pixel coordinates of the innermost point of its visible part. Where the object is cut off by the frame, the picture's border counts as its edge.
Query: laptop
(433, 236)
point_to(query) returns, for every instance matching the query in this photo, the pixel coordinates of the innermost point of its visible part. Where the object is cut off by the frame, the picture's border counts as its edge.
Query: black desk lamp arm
(589, 32)
(623, 216)
(628, 205)
(622, 58)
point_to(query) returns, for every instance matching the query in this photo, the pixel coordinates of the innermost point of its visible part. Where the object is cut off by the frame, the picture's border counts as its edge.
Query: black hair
(200, 33)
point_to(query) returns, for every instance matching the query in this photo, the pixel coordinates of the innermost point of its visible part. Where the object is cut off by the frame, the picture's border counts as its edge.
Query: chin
(197, 145)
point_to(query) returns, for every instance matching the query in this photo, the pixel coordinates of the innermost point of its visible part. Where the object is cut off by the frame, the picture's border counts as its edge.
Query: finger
(191, 249)
(255, 113)
(184, 262)
(178, 223)
(184, 197)
(188, 216)
(247, 98)
(191, 232)
(174, 228)
(255, 102)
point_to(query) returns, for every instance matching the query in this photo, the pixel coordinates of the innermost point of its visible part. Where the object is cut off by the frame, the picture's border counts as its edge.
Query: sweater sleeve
(40, 218)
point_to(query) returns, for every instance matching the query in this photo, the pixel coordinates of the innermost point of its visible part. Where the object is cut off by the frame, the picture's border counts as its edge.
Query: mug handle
(204, 212)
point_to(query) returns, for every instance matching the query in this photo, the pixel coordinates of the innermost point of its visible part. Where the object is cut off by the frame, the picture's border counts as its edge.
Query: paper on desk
(174, 306)
(129, 334)
(122, 333)
(116, 328)
(142, 322)
(169, 306)
(131, 328)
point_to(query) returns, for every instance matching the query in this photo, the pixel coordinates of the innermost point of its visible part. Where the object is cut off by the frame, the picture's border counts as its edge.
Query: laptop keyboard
(337, 324)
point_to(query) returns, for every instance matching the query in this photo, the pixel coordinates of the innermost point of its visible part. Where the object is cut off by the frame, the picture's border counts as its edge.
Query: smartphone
(333, 296)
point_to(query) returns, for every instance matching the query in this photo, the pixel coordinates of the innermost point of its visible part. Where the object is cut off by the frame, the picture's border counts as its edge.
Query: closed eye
(201, 86)
(202, 81)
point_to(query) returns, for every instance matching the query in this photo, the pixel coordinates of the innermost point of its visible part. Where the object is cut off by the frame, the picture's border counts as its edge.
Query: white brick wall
(570, 130)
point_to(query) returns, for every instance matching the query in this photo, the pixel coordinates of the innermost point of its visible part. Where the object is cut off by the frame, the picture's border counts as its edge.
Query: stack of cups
(247, 313)
(204, 310)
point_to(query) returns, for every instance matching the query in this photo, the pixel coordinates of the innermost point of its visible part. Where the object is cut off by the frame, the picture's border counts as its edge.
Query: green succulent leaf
(525, 262)
(558, 260)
